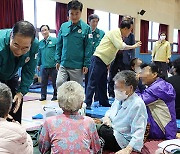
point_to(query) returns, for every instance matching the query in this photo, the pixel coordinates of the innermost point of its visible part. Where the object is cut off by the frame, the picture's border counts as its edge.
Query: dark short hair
(24, 28)
(93, 16)
(129, 77)
(133, 61)
(75, 5)
(125, 24)
(43, 26)
(5, 100)
(176, 65)
(128, 18)
(162, 33)
(154, 68)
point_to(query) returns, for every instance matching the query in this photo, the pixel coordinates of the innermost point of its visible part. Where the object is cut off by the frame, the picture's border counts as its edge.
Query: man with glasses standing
(47, 62)
(18, 49)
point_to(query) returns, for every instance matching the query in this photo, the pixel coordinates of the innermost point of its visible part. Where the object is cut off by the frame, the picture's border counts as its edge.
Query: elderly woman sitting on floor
(13, 137)
(70, 131)
(125, 122)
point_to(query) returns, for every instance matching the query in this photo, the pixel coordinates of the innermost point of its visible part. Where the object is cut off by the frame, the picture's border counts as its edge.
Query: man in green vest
(18, 49)
(46, 59)
(74, 46)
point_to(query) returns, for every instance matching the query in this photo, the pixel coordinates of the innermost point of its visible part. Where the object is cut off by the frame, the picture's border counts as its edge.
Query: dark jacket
(175, 81)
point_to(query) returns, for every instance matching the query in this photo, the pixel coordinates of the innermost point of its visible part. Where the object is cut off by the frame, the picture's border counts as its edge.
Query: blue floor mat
(38, 90)
(178, 124)
(97, 112)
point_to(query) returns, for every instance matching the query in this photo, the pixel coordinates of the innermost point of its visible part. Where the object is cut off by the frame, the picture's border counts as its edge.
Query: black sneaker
(88, 107)
(54, 98)
(42, 99)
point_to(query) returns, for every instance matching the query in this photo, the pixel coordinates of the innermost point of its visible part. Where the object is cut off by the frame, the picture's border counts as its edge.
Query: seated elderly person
(69, 132)
(125, 122)
(159, 97)
(135, 66)
(13, 137)
(175, 81)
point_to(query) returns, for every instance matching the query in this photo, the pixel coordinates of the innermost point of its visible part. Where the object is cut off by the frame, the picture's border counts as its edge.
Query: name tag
(90, 36)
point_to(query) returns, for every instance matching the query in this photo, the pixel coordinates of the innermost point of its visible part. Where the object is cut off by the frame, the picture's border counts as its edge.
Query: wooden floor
(31, 108)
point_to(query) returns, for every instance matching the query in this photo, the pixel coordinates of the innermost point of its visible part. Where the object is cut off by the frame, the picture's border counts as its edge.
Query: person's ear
(155, 75)
(133, 67)
(131, 89)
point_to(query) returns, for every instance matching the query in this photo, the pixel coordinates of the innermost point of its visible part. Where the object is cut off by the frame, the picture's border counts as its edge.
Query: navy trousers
(116, 66)
(86, 83)
(46, 73)
(13, 85)
(97, 80)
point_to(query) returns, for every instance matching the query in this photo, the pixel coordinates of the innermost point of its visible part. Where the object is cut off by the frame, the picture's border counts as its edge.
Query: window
(46, 10)
(114, 20)
(28, 6)
(108, 21)
(175, 41)
(103, 20)
(153, 34)
(35, 11)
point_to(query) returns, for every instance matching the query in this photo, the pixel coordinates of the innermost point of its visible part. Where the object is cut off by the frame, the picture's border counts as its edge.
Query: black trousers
(13, 85)
(106, 133)
(116, 66)
(46, 73)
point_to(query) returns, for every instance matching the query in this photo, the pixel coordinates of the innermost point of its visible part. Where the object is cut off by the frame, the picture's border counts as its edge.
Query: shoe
(42, 99)
(106, 105)
(111, 99)
(88, 107)
(38, 116)
(54, 98)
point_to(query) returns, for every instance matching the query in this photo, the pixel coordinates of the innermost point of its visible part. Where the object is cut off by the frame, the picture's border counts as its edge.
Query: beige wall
(161, 11)
(177, 15)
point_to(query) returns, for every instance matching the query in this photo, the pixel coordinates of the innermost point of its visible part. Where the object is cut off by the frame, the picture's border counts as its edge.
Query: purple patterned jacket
(160, 89)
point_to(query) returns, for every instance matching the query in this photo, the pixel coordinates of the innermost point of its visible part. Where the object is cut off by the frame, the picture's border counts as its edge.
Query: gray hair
(128, 18)
(70, 96)
(5, 100)
(129, 77)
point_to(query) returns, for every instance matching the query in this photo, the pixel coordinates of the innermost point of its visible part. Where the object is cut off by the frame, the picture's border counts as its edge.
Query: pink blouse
(69, 134)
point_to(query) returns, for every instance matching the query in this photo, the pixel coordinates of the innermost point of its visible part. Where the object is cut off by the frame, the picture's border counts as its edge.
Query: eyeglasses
(17, 47)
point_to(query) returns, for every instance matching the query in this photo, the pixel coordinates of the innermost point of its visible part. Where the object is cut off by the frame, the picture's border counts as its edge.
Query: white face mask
(162, 38)
(137, 69)
(119, 95)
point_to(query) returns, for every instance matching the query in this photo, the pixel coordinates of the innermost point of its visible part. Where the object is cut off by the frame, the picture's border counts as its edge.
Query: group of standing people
(68, 56)
(79, 42)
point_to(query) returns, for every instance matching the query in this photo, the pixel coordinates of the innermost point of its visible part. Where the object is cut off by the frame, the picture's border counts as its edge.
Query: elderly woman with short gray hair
(125, 122)
(13, 137)
(70, 131)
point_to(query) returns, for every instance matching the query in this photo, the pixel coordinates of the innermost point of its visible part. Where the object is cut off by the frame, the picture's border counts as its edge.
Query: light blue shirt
(129, 120)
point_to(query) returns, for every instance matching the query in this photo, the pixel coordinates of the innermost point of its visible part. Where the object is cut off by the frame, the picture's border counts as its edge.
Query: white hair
(70, 96)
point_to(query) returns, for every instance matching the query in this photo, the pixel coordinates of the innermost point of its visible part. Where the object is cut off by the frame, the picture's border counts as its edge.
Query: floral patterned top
(71, 134)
